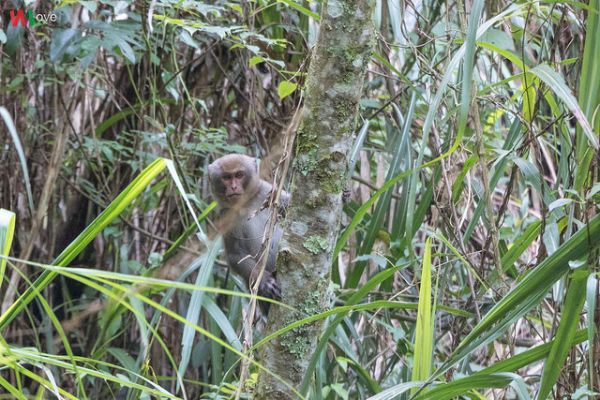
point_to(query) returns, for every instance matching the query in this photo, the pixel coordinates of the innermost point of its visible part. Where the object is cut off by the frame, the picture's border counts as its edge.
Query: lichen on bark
(324, 138)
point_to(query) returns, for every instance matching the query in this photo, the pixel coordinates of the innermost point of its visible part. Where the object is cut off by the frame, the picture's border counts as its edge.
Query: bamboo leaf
(558, 85)
(463, 386)
(20, 153)
(296, 6)
(565, 333)
(528, 357)
(7, 229)
(423, 351)
(383, 205)
(591, 294)
(520, 245)
(589, 93)
(395, 391)
(114, 209)
(528, 293)
(195, 306)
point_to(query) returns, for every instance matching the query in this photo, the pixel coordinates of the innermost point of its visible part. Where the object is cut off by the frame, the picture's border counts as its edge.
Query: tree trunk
(320, 172)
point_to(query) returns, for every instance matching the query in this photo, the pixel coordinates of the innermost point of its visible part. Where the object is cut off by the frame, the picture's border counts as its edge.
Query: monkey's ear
(211, 170)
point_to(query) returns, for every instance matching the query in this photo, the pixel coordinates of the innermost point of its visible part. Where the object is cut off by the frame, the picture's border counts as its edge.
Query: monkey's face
(233, 178)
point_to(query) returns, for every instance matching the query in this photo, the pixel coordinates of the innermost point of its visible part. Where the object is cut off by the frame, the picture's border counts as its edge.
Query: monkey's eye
(239, 175)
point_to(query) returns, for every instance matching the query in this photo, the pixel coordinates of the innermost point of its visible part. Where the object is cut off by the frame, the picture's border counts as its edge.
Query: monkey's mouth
(234, 195)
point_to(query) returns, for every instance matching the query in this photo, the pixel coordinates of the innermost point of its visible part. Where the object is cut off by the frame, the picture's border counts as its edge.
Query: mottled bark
(320, 170)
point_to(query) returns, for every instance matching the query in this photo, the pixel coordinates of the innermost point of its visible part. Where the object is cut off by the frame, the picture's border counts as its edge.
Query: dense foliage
(468, 262)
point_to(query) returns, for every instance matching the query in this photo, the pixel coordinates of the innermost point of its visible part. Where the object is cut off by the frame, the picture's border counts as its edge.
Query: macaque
(244, 215)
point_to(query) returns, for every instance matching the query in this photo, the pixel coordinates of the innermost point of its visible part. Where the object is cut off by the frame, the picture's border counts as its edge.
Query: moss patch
(298, 340)
(315, 244)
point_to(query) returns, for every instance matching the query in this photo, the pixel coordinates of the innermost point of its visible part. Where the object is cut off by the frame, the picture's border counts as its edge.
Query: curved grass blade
(463, 386)
(528, 293)
(114, 209)
(591, 293)
(11, 389)
(395, 391)
(565, 332)
(383, 205)
(195, 306)
(358, 143)
(529, 356)
(20, 153)
(558, 86)
(7, 229)
(589, 93)
(423, 351)
(511, 364)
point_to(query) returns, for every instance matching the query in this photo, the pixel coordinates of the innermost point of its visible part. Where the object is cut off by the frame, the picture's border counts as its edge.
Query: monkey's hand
(346, 193)
(269, 287)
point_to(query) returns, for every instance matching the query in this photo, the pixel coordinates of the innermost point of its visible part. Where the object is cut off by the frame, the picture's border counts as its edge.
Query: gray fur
(249, 215)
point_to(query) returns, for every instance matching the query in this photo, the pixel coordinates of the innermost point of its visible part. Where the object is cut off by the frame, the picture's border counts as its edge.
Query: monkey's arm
(243, 255)
(248, 269)
(284, 200)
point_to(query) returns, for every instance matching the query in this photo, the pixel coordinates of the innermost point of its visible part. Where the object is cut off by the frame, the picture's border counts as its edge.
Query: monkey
(243, 218)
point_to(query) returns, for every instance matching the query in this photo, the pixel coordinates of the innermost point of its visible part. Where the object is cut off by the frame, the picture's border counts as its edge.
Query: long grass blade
(463, 386)
(114, 209)
(195, 306)
(589, 93)
(423, 351)
(591, 295)
(528, 293)
(566, 331)
(558, 85)
(20, 153)
(383, 204)
(7, 229)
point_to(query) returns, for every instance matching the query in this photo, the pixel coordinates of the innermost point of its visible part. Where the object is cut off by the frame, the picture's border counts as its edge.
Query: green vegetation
(467, 265)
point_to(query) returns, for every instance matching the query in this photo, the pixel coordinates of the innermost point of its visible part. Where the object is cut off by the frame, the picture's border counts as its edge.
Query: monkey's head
(233, 178)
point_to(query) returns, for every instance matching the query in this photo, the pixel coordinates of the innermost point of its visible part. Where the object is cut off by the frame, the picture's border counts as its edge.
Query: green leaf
(303, 10)
(285, 89)
(126, 50)
(458, 183)
(591, 292)
(528, 293)
(393, 392)
(7, 229)
(195, 306)
(256, 60)
(463, 386)
(566, 331)
(559, 203)
(527, 357)
(423, 351)
(519, 245)
(530, 172)
(529, 97)
(563, 92)
(589, 94)
(61, 40)
(20, 153)
(114, 209)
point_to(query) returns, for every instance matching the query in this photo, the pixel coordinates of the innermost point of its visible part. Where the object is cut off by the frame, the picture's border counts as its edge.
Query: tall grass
(468, 262)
